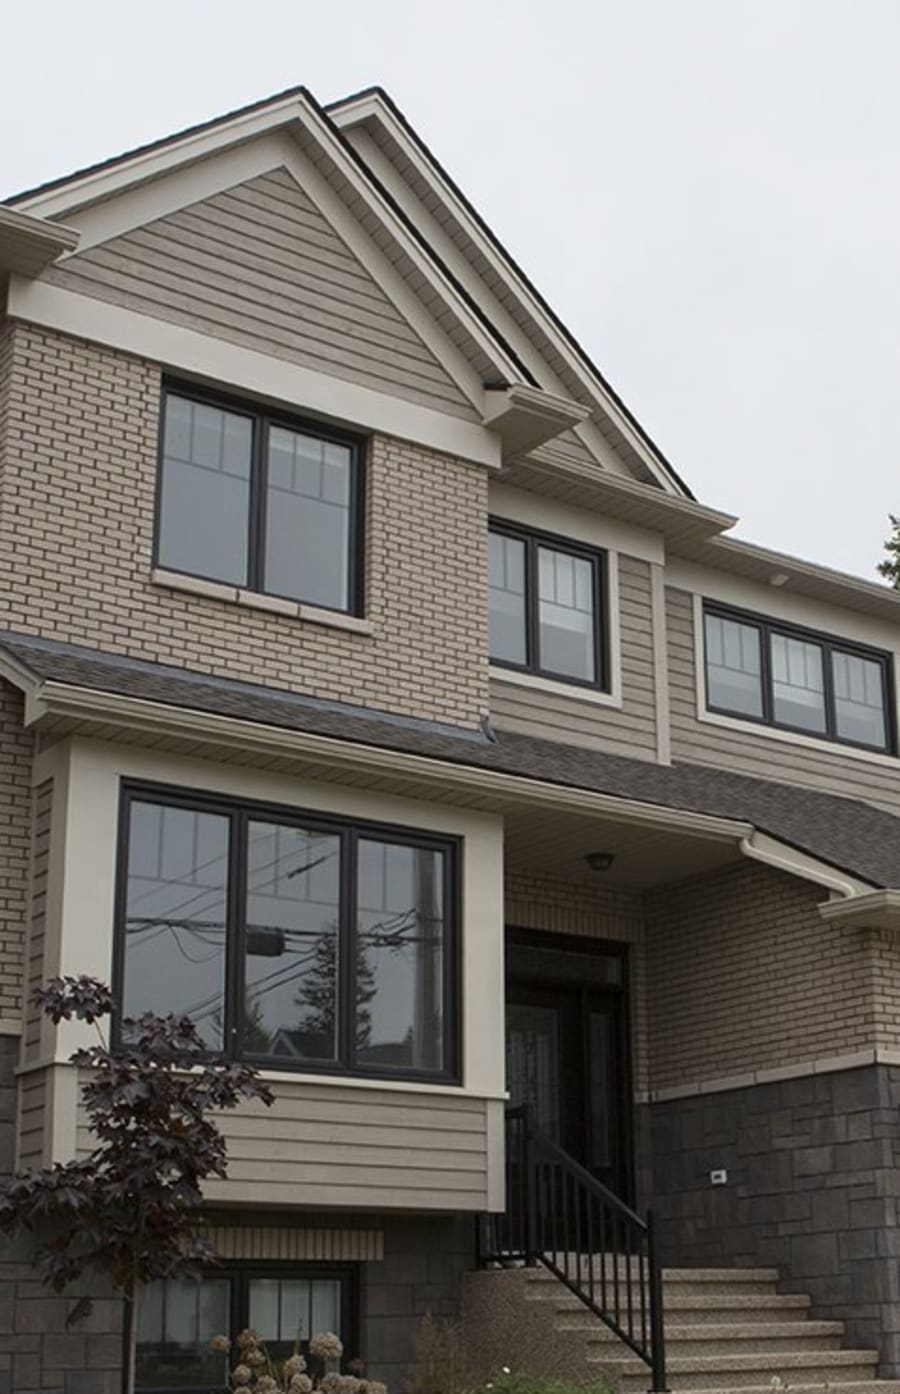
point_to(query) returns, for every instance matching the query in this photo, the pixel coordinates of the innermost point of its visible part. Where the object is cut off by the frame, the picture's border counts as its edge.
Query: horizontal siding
(627, 730)
(260, 266)
(330, 1145)
(32, 1111)
(35, 972)
(755, 751)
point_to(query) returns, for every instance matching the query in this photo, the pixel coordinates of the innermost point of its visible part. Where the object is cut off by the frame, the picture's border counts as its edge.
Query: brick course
(77, 492)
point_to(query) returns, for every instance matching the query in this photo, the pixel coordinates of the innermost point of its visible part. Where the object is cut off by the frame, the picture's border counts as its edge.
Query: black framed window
(797, 679)
(546, 601)
(300, 941)
(258, 500)
(178, 1317)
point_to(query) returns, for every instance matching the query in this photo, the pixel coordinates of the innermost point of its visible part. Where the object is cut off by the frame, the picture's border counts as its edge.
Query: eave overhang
(526, 417)
(874, 910)
(29, 244)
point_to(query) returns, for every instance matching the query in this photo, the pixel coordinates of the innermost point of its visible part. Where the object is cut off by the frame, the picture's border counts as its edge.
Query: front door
(565, 1052)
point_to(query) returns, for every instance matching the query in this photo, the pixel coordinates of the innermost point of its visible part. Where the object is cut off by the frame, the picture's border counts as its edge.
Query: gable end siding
(260, 266)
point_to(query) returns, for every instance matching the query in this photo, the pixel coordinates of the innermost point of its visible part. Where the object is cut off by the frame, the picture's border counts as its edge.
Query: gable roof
(844, 833)
(501, 361)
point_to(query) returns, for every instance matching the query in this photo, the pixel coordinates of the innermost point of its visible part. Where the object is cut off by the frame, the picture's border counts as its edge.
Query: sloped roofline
(512, 265)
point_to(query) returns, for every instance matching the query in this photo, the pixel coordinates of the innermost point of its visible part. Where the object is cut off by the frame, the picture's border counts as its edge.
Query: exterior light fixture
(599, 861)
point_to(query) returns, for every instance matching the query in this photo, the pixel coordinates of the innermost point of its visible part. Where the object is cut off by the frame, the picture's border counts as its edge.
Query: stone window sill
(252, 600)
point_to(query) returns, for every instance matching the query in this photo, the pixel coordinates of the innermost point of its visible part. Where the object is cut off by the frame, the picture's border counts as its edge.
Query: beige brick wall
(16, 748)
(743, 975)
(76, 522)
(598, 912)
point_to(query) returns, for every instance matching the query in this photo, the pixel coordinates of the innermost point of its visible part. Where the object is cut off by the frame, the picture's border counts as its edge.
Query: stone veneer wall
(78, 465)
(812, 1190)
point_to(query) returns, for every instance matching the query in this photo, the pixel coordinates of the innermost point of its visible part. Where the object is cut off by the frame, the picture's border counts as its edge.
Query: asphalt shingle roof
(843, 832)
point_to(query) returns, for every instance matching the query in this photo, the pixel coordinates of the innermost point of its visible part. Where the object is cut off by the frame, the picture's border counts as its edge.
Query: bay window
(294, 940)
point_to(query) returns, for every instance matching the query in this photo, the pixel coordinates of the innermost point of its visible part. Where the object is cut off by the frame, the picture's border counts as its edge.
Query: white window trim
(762, 730)
(254, 600)
(574, 691)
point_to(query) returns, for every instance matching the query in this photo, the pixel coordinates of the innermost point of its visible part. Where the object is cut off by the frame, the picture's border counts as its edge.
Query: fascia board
(29, 243)
(68, 701)
(873, 910)
(373, 107)
(105, 182)
(808, 578)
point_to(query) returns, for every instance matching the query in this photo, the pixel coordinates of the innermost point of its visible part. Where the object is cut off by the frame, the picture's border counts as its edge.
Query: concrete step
(679, 1282)
(728, 1371)
(862, 1386)
(711, 1307)
(731, 1338)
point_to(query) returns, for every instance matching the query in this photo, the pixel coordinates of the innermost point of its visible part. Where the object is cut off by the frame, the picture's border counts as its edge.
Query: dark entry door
(565, 1059)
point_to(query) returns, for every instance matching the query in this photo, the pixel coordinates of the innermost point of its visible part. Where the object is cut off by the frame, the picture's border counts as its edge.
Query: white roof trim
(372, 107)
(28, 244)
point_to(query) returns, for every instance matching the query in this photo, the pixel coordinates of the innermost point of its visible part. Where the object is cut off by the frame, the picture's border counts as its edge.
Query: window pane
(399, 956)
(287, 1311)
(177, 1319)
(566, 615)
(307, 546)
(291, 961)
(175, 916)
(859, 699)
(798, 685)
(506, 591)
(205, 490)
(733, 666)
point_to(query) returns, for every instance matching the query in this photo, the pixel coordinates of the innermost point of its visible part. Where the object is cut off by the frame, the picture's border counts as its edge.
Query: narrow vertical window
(507, 598)
(798, 683)
(859, 698)
(733, 666)
(307, 519)
(176, 916)
(566, 615)
(205, 490)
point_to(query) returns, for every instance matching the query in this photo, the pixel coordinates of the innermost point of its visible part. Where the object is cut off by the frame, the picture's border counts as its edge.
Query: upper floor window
(546, 605)
(797, 679)
(259, 501)
(291, 939)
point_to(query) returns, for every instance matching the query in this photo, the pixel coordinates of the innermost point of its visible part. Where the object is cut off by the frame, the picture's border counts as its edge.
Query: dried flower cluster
(255, 1371)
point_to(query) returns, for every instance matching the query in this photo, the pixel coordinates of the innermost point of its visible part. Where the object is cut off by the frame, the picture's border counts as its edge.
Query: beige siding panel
(756, 751)
(627, 730)
(331, 1145)
(259, 265)
(32, 1112)
(40, 860)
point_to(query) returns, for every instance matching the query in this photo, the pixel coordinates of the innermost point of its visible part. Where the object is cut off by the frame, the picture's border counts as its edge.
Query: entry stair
(726, 1330)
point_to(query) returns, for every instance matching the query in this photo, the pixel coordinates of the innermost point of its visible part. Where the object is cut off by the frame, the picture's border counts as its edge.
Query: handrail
(561, 1216)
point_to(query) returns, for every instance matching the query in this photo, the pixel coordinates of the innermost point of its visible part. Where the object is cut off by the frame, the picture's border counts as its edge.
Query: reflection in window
(507, 598)
(307, 519)
(566, 614)
(733, 666)
(804, 682)
(798, 684)
(400, 956)
(205, 490)
(177, 1319)
(544, 605)
(312, 946)
(859, 698)
(291, 943)
(175, 916)
(287, 1311)
(250, 501)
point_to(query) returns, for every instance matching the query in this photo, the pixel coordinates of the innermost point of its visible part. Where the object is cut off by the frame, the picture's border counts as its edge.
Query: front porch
(686, 1025)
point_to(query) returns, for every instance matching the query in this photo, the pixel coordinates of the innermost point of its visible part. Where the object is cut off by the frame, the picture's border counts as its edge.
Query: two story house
(376, 693)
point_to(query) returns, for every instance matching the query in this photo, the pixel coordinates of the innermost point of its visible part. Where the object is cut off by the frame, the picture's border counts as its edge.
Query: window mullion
(828, 684)
(256, 521)
(347, 948)
(532, 607)
(235, 932)
(765, 659)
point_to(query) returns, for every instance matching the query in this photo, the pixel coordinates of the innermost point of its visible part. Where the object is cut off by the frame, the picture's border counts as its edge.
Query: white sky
(705, 190)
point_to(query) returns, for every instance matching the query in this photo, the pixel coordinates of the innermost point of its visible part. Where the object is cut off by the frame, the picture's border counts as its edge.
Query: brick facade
(16, 747)
(77, 492)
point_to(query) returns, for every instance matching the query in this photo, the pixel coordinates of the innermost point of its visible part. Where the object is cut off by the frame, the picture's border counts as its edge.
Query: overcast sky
(706, 190)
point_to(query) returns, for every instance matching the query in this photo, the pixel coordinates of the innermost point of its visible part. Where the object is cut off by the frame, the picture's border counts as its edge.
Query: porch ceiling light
(599, 861)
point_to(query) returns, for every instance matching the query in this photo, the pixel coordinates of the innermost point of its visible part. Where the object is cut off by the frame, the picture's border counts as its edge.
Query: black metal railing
(559, 1215)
